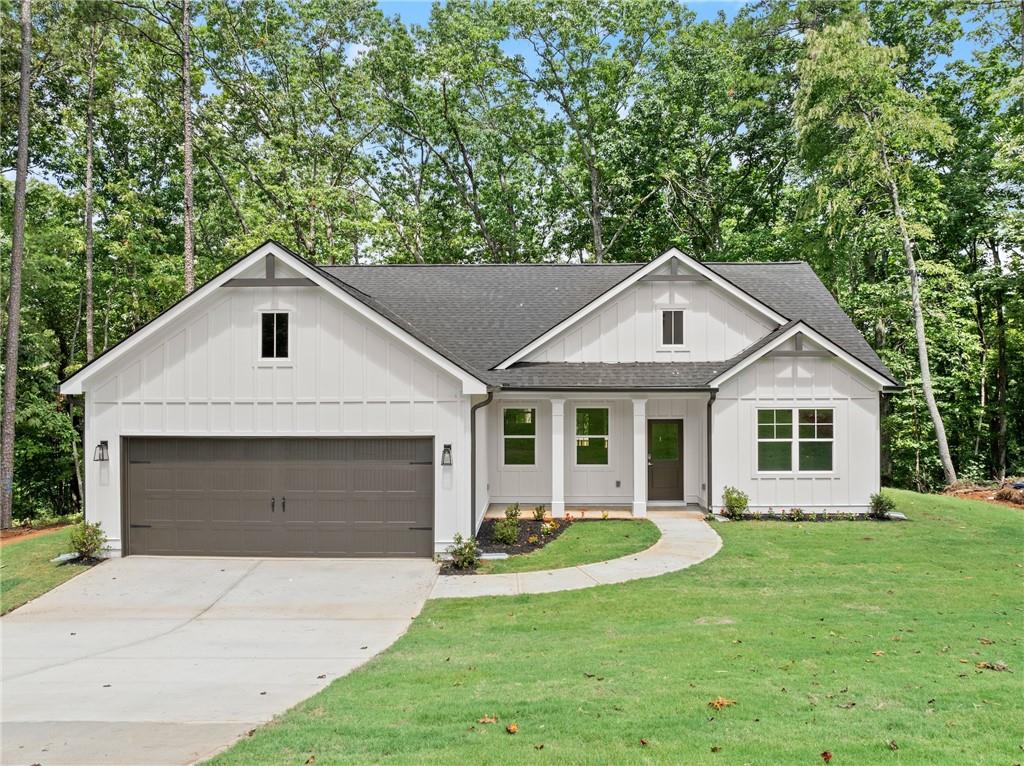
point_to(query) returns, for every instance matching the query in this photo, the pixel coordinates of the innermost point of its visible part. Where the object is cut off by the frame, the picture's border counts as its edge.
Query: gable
(716, 325)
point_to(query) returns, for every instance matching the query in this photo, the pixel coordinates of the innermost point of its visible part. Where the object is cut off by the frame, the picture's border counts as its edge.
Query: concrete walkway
(168, 660)
(686, 539)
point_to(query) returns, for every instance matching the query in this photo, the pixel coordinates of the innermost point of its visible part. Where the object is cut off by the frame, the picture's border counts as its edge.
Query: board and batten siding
(628, 329)
(807, 382)
(202, 377)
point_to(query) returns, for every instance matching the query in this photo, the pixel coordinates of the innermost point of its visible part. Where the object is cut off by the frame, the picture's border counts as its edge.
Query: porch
(678, 510)
(594, 453)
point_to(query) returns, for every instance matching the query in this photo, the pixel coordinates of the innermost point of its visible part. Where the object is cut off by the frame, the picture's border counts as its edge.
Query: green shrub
(88, 540)
(734, 503)
(881, 506)
(797, 514)
(549, 526)
(464, 553)
(506, 531)
(512, 512)
(538, 513)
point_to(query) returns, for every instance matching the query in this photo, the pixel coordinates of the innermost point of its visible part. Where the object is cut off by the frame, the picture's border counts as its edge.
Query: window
(810, 450)
(274, 335)
(774, 440)
(520, 436)
(672, 327)
(592, 436)
(815, 438)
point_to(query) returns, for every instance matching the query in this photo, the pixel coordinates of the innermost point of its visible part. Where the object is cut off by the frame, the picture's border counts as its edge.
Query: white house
(291, 409)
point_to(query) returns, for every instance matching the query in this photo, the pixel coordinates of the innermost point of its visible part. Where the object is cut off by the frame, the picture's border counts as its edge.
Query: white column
(639, 457)
(558, 458)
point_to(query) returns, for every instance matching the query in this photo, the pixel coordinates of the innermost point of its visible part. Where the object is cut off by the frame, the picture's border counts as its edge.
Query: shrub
(604, 515)
(88, 540)
(549, 526)
(734, 503)
(533, 539)
(538, 513)
(464, 553)
(881, 506)
(506, 531)
(796, 514)
(512, 512)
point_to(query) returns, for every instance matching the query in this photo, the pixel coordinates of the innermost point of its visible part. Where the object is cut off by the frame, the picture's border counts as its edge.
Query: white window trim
(660, 333)
(576, 435)
(275, 361)
(795, 471)
(519, 466)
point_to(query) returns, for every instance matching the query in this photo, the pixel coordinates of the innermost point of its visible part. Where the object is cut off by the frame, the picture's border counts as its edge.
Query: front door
(664, 459)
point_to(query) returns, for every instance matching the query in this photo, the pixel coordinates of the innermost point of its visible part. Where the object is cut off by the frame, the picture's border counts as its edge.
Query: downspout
(472, 458)
(711, 401)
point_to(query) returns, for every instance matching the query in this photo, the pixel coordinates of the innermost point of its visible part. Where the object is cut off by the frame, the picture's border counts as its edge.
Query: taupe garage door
(279, 497)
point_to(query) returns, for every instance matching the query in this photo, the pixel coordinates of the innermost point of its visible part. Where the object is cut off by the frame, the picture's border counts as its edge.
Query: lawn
(27, 572)
(857, 638)
(582, 543)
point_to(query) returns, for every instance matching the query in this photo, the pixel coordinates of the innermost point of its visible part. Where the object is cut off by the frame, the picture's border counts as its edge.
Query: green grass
(582, 543)
(26, 571)
(788, 620)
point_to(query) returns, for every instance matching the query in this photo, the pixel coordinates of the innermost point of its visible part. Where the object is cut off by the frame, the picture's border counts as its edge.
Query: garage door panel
(331, 497)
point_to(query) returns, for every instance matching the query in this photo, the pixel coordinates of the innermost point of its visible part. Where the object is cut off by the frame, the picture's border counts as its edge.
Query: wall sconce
(101, 454)
(446, 455)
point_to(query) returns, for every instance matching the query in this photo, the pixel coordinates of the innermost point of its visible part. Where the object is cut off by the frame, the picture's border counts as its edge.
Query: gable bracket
(270, 279)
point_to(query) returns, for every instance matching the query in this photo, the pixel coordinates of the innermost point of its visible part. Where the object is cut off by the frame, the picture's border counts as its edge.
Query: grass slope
(26, 571)
(582, 543)
(841, 637)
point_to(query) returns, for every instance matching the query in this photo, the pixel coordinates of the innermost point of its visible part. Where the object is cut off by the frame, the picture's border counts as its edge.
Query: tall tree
(861, 133)
(187, 167)
(13, 339)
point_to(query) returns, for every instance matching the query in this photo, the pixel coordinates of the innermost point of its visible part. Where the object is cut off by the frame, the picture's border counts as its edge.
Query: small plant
(506, 531)
(734, 503)
(464, 553)
(538, 513)
(548, 527)
(533, 539)
(567, 518)
(513, 512)
(797, 514)
(881, 506)
(88, 540)
(604, 515)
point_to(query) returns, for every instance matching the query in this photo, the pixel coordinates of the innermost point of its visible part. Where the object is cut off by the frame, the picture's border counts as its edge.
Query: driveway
(168, 660)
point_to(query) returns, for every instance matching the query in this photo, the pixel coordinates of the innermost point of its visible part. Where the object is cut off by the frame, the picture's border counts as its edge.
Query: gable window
(672, 327)
(520, 436)
(775, 440)
(592, 436)
(815, 438)
(274, 335)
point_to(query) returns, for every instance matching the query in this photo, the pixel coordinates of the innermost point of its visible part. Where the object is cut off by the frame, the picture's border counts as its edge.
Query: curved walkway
(686, 539)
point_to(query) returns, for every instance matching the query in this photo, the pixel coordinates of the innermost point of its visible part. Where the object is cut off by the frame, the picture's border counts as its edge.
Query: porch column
(639, 457)
(558, 458)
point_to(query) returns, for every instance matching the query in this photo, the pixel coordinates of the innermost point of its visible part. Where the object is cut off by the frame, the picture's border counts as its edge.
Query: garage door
(279, 497)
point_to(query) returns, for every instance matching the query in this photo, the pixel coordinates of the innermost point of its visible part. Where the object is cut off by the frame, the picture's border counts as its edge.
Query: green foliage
(463, 552)
(881, 506)
(506, 531)
(513, 512)
(87, 540)
(734, 503)
(538, 512)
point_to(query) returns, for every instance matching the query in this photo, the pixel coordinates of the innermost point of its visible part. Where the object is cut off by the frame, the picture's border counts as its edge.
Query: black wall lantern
(101, 454)
(446, 455)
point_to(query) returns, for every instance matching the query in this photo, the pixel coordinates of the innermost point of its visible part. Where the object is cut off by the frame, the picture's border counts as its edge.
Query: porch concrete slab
(686, 539)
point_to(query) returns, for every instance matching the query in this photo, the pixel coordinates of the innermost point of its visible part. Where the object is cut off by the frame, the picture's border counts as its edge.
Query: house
(290, 409)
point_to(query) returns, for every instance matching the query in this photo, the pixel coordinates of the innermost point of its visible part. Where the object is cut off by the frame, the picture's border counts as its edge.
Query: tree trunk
(922, 344)
(10, 391)
(186, 108)
(596, 227)
(1002, 374)
(90, 348)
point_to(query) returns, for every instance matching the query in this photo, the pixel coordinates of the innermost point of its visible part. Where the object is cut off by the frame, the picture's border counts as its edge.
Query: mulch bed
(14, 534)
(527, 528)
(1005, 495)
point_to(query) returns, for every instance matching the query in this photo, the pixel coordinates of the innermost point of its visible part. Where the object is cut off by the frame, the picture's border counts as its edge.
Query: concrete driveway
(168, 660)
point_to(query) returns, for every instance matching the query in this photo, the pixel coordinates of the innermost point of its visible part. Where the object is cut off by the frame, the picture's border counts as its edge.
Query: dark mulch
(527, 528)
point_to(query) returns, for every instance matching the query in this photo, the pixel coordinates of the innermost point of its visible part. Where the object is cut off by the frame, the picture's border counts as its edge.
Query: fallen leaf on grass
(311, 759)
(250, 732)
(986, 641)
(826, 756)
(848, 705)
(538, 747)
(716, 749)
(997, 666)
(721, 702)
(878, 653)
(644, 743)
(893, 746)
(488, 719)
(512, 728)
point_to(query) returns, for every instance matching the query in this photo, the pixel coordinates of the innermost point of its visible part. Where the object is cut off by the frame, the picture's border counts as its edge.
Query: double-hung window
(520, 436)
(592, 436)
(274, 335)
(809, 447)
(672, 327)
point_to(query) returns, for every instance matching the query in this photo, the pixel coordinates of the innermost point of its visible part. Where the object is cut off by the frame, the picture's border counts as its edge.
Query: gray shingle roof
(478, 315)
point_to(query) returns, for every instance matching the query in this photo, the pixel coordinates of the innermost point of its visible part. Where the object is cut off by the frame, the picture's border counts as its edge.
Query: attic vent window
(672, 327)
(274, 335)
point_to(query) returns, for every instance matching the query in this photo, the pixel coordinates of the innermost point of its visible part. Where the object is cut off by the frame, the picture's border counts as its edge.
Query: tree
(861, 133)
(187, 169)
(10, 391)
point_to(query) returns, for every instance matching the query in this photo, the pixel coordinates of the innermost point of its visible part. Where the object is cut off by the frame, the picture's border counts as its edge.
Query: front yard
(859, 639)
(26, 569)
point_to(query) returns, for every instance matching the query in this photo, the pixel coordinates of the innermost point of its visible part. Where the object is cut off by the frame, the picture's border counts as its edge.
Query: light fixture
(446, 455)
(101, 453)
